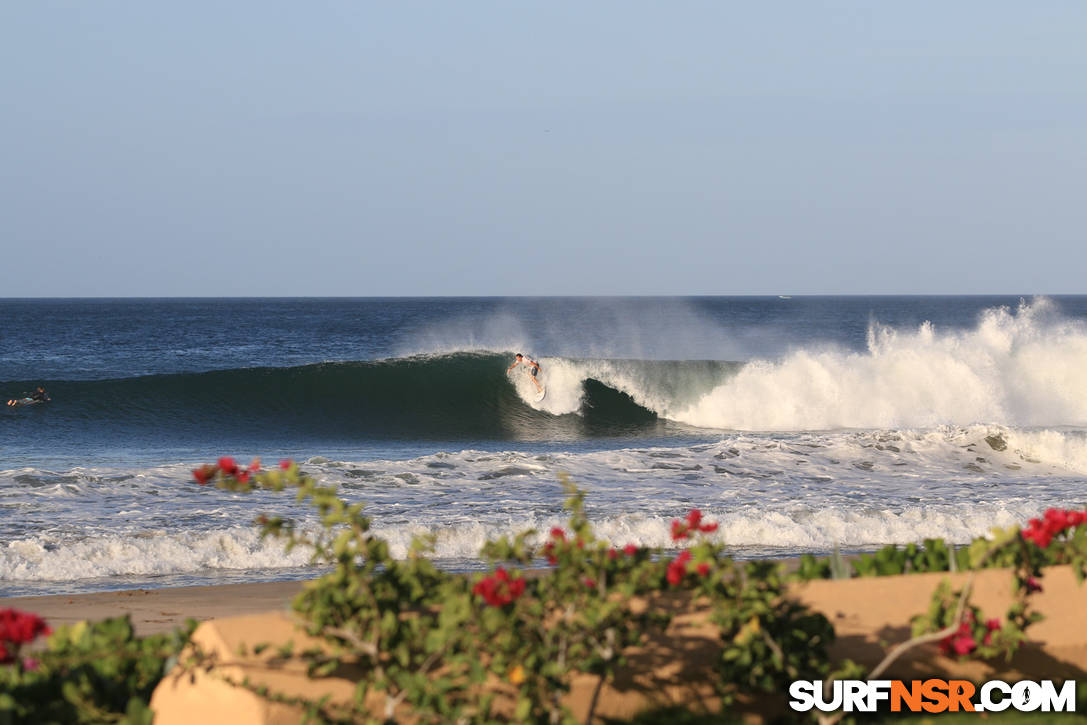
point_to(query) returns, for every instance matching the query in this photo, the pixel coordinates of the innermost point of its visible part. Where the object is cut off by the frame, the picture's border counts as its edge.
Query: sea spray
(1021, 368)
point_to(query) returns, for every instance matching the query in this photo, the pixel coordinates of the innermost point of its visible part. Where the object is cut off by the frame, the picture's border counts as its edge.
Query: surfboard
(540, 395)
(19, 402)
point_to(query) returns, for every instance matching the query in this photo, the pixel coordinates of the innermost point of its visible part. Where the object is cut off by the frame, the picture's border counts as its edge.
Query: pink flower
(964, 644)
(961, 642)
(590, 582)
(254, 466)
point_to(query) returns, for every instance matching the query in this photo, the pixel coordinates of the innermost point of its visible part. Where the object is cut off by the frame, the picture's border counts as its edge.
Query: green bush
(98, 672)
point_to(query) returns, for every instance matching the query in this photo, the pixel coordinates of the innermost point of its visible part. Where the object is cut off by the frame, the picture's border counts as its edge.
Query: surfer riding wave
(533, 369)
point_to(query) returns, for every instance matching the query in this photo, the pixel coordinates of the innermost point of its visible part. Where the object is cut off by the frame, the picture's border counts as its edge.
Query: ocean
(801, 424)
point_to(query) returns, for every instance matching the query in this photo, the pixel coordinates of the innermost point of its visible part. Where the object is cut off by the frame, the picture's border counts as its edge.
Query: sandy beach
(160, 610)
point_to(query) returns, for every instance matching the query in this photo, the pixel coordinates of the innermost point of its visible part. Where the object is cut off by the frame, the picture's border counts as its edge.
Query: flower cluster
(557, 542)
(692, 524)
(228, 467)
(16, 629)
(962, 641)
(1041, 531)
(677, 568)
(558, 538)
(499, 589)
(628, 550)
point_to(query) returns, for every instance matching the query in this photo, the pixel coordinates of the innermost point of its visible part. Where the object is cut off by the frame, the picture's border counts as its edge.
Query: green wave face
(448, 397)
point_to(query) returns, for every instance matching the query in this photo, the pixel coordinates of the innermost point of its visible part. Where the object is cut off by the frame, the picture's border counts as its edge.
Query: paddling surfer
(38, 396)
(533, 369)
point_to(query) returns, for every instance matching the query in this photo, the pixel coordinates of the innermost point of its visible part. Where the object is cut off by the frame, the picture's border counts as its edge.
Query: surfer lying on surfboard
(38, 396)
(533, 369)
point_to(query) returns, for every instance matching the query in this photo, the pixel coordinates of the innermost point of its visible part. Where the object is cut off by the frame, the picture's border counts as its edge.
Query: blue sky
(477, 148)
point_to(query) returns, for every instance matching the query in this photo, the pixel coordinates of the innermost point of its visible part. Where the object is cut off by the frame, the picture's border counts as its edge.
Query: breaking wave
(1023, 367)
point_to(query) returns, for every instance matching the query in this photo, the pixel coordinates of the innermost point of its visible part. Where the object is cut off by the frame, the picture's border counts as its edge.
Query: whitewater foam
(772, 494)
(1017, 368)
(1020, 367)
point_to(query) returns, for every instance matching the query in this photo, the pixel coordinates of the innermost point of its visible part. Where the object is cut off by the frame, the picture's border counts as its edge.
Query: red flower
(630, 549)
(228, 466)
(18, 628)
(1053, 522)
(499, 589)
(993, 625)
(613, 554)
(675, 574)
(677, 568)
(683, 529)
(203, 474)
(961, 642)
(703, 569)
(549, 552)
(21, 627)
(254, 466)
(590, 582)
(243, 477)
(1033, 585)
(964, 644)
(557, 533)
(286, 463)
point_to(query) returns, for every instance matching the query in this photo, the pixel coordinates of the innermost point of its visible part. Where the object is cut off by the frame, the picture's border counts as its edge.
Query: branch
(909, 644)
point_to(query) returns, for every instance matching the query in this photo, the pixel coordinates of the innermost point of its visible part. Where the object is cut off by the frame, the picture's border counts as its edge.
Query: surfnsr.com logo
(932, 696)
